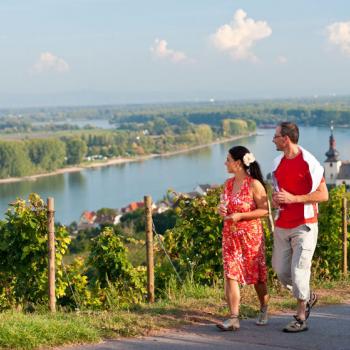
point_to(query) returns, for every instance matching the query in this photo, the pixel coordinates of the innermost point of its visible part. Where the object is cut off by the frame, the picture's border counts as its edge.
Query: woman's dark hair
(253, 169)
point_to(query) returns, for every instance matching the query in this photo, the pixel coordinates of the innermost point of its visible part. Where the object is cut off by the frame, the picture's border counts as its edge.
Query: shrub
(328, 254)
(194, 244)
(24, 252)
(112, 269)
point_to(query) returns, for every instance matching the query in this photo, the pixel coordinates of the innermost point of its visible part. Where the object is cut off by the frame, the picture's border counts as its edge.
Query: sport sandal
(295, 326)
(231, 324)
(262, 319)
(310, 304)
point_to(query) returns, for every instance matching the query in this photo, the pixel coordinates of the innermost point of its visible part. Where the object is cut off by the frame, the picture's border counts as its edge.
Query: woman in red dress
(243, 203)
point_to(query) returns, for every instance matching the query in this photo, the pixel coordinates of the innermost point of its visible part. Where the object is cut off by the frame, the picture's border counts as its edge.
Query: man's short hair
(291, 130)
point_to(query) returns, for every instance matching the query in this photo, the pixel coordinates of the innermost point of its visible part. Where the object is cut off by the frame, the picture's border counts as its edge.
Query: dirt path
(329, 329)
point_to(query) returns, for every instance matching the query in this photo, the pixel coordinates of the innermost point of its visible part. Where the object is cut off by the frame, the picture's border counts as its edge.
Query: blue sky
(126, 51)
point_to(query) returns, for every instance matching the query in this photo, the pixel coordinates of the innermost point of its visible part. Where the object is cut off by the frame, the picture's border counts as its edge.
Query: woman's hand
(235, 217)
(222, 210)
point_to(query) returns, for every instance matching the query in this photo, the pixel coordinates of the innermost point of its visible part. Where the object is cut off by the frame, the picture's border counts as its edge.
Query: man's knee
(283, 273)
(284, 277)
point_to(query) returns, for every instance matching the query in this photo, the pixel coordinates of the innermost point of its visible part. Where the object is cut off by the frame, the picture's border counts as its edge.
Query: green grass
(23, 331)
(178, 305)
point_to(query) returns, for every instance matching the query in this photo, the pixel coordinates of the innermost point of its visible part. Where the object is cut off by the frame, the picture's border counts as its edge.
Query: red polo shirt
(293, 175)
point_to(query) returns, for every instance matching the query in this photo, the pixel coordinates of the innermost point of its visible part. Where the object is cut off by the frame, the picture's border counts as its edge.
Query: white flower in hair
(248, 159)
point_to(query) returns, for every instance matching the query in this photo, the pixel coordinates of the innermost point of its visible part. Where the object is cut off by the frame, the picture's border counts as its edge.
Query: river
(117, 185)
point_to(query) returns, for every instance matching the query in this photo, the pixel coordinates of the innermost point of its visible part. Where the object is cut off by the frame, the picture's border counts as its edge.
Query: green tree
(204, 134)
(234, 127)
(76, 150)
(14, 160)
(46, 154)
(251, 125)
(159, 126)
(164, 221)
(134, 220)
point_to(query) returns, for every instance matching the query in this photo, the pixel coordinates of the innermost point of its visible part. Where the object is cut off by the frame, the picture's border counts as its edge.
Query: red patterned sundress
(243, 245)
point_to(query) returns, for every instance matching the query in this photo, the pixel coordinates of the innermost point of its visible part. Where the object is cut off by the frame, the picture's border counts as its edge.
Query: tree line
(304, 114)
(32, 156)
(313, 111)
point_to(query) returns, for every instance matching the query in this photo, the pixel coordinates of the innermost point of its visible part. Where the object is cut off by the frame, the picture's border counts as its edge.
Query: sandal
(310, 303)
(231, 324)
(263, 317)
(296, 326)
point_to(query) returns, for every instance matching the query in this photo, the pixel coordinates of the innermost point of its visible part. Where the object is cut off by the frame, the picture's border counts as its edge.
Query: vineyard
(106, 277)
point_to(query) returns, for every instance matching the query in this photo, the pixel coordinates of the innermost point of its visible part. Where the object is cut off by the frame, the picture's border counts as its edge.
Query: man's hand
(273, 202)
(283, 197)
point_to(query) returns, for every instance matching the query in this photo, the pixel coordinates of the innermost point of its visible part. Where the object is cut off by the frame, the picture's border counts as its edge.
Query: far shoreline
(115, 161)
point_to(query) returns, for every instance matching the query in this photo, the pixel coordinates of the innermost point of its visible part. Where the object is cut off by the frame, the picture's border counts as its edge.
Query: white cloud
(238, 37)
(49, 62)
(339, 35)
(282, 59)
(160, 50)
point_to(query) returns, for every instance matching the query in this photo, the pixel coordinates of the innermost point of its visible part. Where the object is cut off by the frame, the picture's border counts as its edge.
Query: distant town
(94, 219)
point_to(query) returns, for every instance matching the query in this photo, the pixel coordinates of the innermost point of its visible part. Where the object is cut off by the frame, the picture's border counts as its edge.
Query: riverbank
(115, 161)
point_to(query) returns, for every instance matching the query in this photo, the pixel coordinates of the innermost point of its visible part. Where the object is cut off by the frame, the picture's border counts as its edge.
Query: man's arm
(320, 195)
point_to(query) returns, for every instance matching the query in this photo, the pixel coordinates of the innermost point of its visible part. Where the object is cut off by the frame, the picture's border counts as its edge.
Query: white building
(202, 189)
(337, 172)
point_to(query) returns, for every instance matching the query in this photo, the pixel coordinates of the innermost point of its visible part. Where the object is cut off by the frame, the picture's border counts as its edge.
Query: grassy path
(188, 305)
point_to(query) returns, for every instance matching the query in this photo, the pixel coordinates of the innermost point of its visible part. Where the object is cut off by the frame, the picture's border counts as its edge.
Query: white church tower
(332, 164)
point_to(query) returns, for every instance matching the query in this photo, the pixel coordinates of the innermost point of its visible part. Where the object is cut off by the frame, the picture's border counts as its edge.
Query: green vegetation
(102, 292)
(198, 232)
(23, 254)
(46, 154)
(143, 129)
(329, 247)
(21, 331)
(109, 259)
(13, 159)
(235, 126)
(180, 304)
(315, 111)
(32, 156)
(110, 262)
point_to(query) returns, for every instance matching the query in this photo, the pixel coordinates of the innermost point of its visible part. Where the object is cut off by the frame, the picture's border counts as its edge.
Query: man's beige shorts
(292, 255)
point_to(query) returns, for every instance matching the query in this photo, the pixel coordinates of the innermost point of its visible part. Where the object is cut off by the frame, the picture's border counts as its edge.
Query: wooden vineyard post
(149, 247)
(51, 244)
(345, 237)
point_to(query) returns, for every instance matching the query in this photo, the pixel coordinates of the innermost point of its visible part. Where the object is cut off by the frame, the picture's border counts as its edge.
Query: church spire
(332, 154)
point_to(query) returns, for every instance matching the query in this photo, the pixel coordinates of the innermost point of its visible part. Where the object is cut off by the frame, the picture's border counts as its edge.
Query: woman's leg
(261, 291)
(233, 296)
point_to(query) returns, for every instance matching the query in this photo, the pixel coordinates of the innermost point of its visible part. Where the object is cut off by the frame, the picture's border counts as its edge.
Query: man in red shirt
(298, 187)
